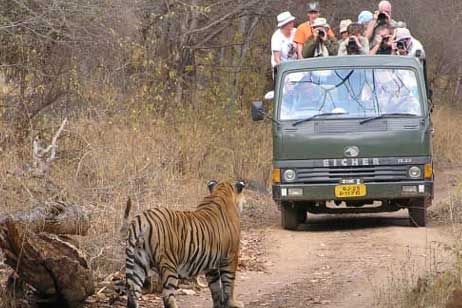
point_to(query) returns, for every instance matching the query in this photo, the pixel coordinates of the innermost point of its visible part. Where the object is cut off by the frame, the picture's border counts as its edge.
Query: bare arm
(370, 28)
(374, 50)
(376, 43)
(277, 57)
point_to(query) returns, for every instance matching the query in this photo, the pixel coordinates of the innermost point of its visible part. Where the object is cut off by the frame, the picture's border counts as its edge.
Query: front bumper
(375, 191)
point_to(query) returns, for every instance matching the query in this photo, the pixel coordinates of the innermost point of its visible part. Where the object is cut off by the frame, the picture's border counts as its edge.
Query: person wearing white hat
(344, 29)
(283, 48)
(320, 44)
(406, 45)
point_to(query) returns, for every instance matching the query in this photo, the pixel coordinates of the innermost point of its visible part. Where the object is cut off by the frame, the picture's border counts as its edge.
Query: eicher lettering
(347, 162)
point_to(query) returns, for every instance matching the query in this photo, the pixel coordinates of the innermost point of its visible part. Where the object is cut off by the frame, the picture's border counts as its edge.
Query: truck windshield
(350, 93)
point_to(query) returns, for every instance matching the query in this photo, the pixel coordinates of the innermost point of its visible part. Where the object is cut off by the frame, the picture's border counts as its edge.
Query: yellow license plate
(349, 191)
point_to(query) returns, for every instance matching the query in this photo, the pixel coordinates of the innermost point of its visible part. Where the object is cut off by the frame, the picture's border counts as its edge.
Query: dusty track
(334, 261)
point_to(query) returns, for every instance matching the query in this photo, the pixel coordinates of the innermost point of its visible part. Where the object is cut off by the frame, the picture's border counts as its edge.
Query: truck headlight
(415, 172)
(289, 175)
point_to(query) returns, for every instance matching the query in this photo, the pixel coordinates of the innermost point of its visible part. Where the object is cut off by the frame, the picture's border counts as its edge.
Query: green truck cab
(350, 135)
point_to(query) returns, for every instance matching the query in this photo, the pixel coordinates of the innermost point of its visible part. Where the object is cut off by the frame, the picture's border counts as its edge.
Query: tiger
(181, 244)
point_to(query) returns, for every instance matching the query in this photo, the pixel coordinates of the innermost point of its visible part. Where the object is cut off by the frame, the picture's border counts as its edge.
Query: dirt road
(334, 261)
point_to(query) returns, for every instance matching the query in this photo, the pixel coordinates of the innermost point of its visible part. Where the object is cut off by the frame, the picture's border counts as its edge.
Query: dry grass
(157, 162)
(6, 301)
(413, 285)
(447, 142)
(438, 282)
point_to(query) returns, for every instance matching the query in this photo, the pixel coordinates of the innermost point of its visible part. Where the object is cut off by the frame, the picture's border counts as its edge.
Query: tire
(418, 212)
(292, 216)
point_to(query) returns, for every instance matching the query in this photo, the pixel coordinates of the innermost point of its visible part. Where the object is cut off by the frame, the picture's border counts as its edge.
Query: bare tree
(44, 43)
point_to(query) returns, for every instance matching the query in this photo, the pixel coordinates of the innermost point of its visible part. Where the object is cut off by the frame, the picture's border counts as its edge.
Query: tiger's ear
(211, 185)
(240, 186)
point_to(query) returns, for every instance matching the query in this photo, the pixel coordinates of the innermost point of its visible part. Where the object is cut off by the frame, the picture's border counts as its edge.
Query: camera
(385, 46)
(401, 45)
(352, 46)
(321, 32)
(385, 38)
(382, 18)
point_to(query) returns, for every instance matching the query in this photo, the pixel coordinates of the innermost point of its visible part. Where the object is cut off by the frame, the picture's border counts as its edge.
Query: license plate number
(349, 191)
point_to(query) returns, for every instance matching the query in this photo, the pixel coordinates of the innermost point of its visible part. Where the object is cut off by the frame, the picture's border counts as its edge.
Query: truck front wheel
(292, 216)
(418, 212)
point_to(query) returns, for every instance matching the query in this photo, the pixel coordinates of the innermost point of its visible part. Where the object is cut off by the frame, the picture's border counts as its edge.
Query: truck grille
(367, 174)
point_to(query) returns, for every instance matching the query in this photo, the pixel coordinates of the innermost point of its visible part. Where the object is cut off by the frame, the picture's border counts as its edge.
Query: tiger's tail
(126, 221)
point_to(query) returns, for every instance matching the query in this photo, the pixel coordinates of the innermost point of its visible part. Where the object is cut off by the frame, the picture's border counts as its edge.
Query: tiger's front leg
(170, 281)
(213, 279)
(228, 277)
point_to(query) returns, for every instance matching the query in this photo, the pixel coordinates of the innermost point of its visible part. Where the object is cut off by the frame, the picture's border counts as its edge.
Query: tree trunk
(48, 262)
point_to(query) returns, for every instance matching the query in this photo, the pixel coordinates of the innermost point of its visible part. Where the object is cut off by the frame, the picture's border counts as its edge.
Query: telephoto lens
(351, 43)
(352, 47)
(382, 18)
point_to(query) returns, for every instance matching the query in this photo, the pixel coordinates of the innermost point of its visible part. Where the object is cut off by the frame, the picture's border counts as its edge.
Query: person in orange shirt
(304, 30)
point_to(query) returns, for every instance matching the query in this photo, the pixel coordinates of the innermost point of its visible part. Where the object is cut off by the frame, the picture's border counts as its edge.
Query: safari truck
(350, 135)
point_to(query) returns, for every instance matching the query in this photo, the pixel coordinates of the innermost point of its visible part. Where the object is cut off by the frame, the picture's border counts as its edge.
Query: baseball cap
(365, 17)
(313, 7)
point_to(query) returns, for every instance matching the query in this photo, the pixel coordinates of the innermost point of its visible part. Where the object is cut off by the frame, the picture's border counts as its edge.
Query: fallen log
(35, 248)
(54, 217)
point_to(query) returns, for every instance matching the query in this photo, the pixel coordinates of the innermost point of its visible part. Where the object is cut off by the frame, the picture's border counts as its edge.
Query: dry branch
(41, 161)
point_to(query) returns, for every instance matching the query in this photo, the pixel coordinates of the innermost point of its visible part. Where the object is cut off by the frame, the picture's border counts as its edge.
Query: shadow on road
(321, 223)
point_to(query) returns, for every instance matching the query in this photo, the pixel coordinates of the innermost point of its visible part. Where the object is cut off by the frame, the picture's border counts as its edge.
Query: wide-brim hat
(320, 22)
(344, 25)
(402, 33)
(284, 18)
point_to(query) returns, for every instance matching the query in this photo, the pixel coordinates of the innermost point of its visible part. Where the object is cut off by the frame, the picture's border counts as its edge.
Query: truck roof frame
(350, 61)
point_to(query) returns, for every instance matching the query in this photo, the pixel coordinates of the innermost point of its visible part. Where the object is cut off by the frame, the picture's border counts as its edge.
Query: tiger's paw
(132, 302)
(170, 302)
(235, 304)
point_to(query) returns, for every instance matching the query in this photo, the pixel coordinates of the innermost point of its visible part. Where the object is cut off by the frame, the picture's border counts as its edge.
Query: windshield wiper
(386, 115)
(317, 116)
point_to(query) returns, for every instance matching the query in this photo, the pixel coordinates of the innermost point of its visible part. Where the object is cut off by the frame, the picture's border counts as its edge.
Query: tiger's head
(229, 190)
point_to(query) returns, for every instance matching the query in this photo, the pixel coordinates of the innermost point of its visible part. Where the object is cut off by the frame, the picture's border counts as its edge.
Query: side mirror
(258, 111)
(269, 96)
